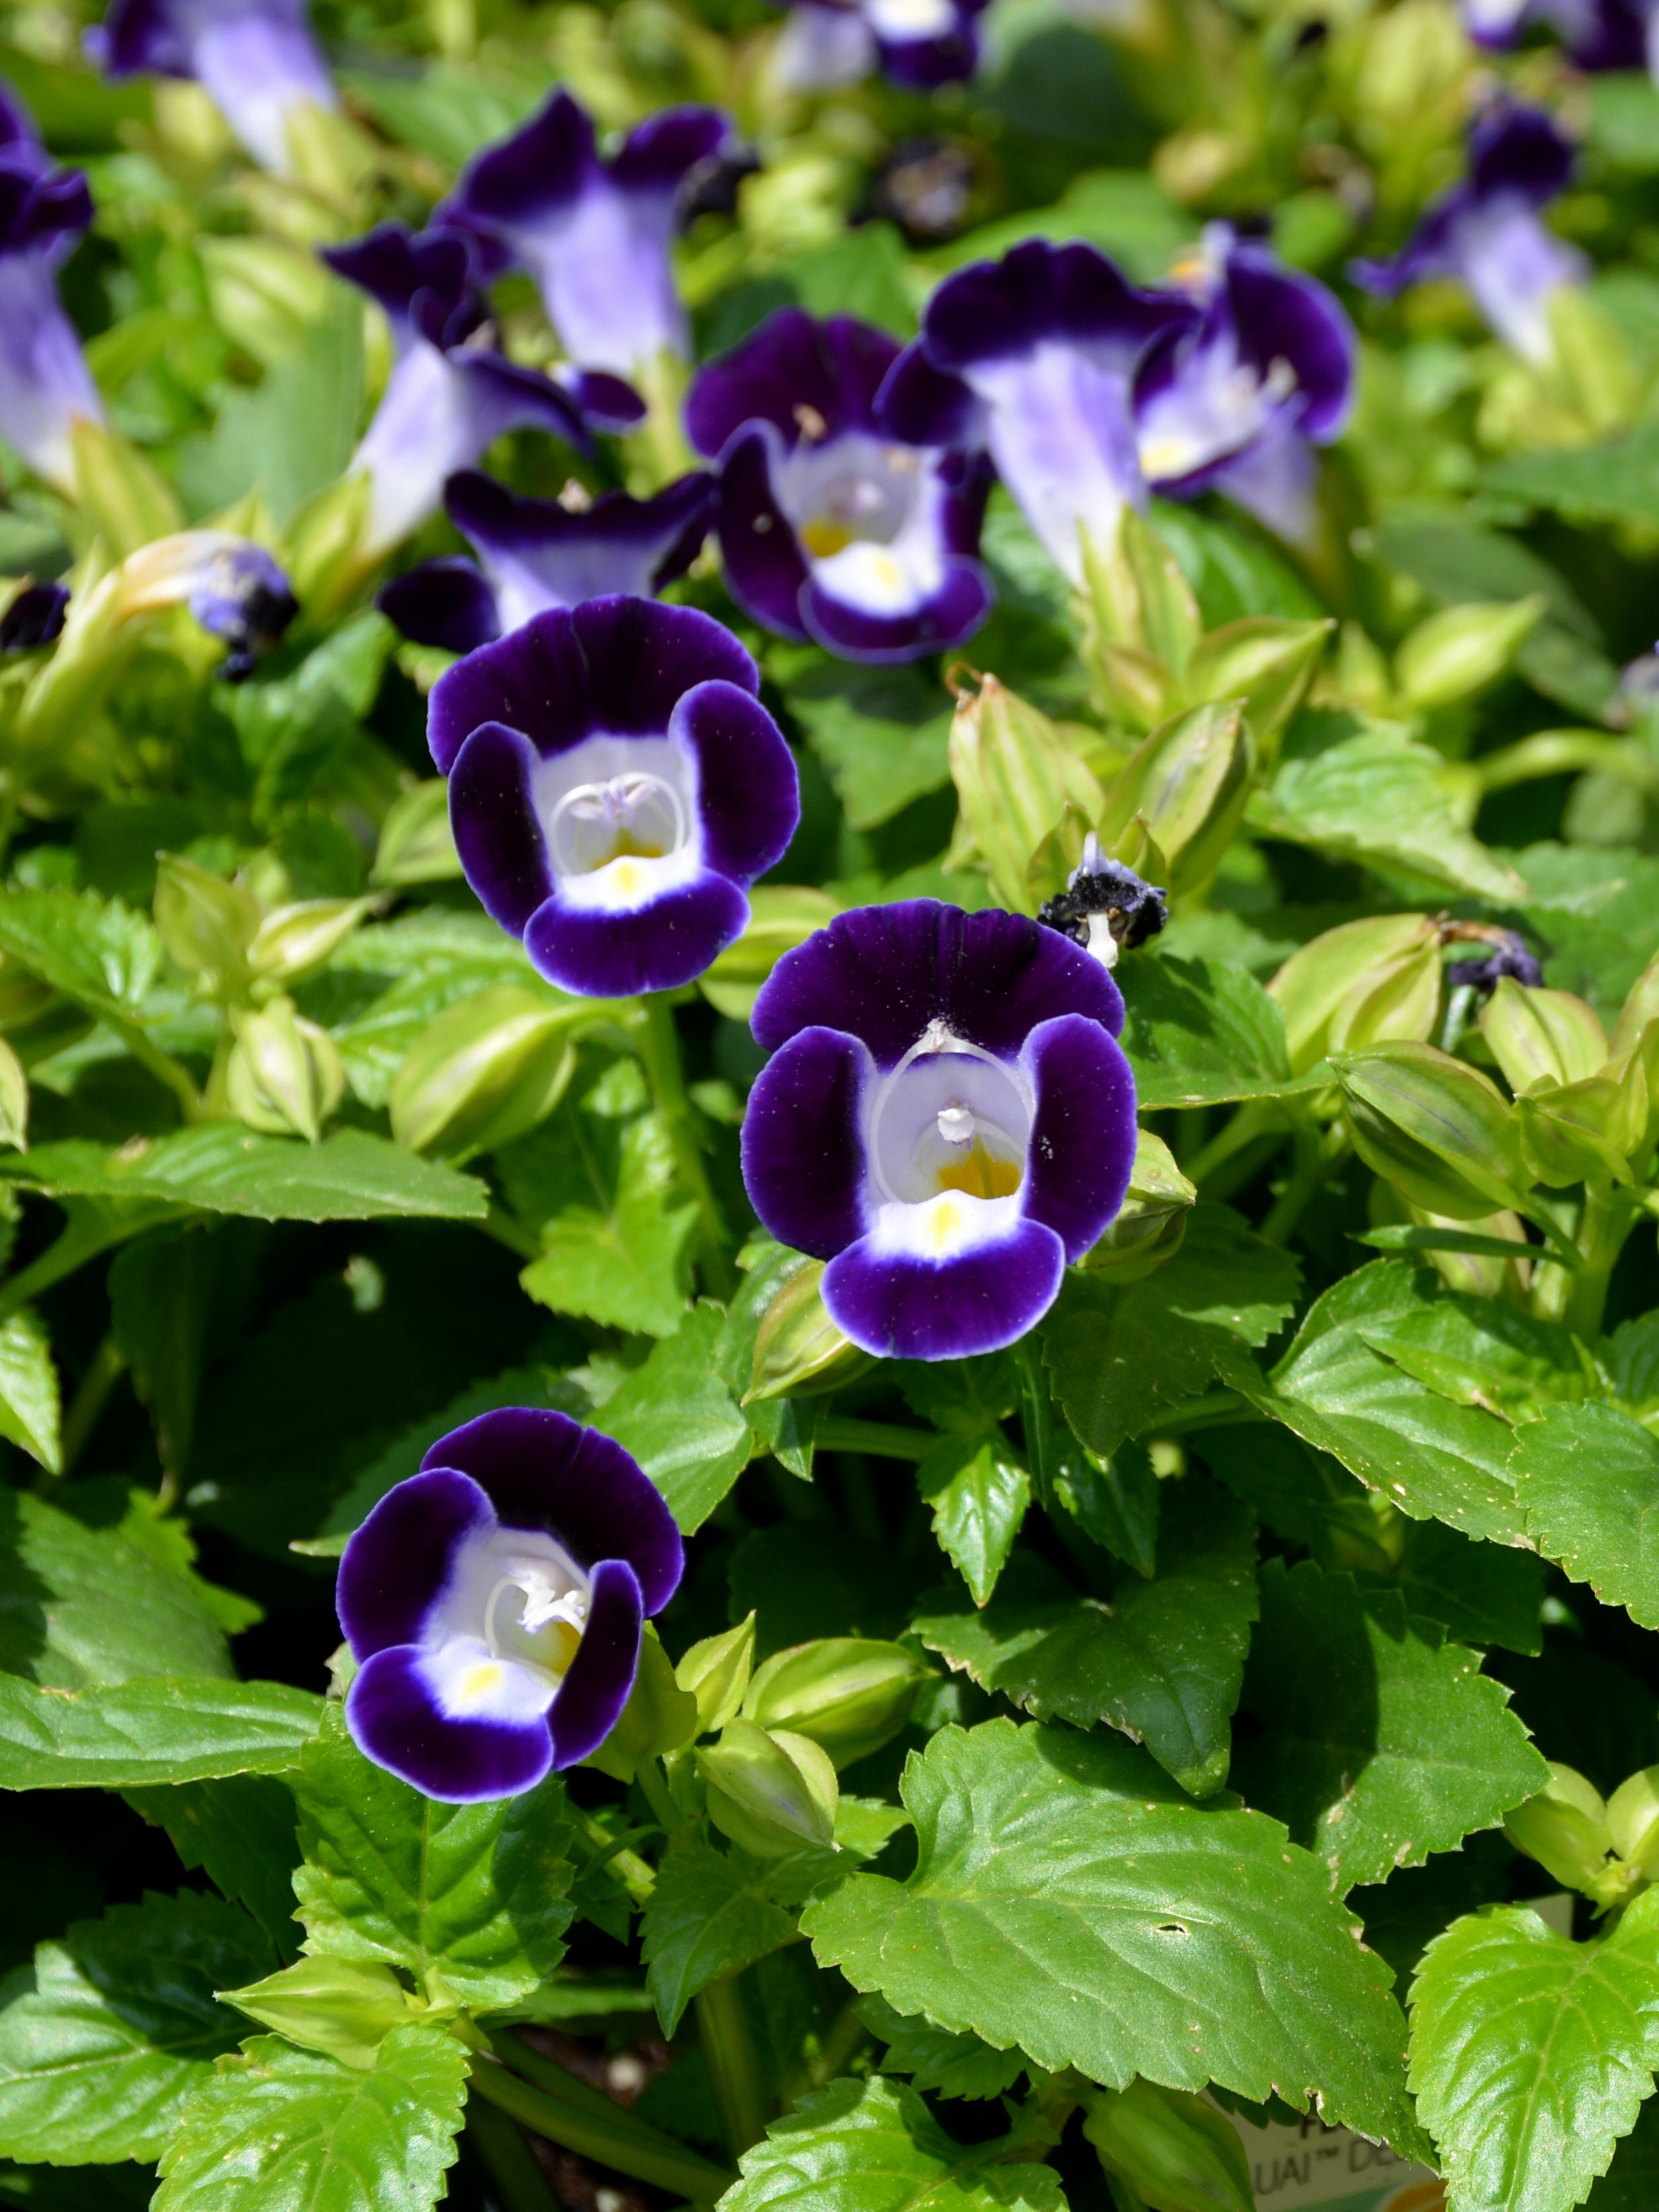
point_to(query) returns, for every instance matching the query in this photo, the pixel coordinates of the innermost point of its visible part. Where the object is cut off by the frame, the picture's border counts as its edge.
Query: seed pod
(1013, 774)
(1541, 1035)
(294, 939)
(1185, 789)
(1459, 650)
(1585, 1132)
(207, 925)
(1265, 661)
(1152, 1222)
(14, 1100)
(716, 1674)
(770, 1791)
(1131, 687)
(1177, 2153)
(1565, 1827)
(341, 2006)
(849, 1694)
(485, 1071)
(1435, 1127)
(1321, 989)
(798, 1348)
(284, 1074)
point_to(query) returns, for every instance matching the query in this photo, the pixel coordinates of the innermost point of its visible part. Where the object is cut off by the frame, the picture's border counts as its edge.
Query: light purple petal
(1082, 1144)
(396, 1721)
(394, 1567)
(948, 618)
(803, 1154)
(897, 1307)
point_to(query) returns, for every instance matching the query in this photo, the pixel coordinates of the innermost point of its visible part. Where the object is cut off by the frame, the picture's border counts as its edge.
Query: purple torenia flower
(1236, 401)
(832, 527)
(596, 235)
(45, 382)
(615, 787)
(1486, 231)
(256, 57)
(494, 1601)
(917, 43)
(1033, 356)
(537, 553)
(232, 588)
(449, 395)
(1599, 34)
(34, 616)
(946, 1119)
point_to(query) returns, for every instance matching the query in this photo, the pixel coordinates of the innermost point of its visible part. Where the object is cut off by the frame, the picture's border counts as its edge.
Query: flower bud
(1185, 790)
(417, 845)
(207, 925)
(341, 2006)
(1633, 1821)
(1592, 367)
(294, 939)
(1585, 1132)
(1265, 661)
(798, 1348)
(486, 1071)
(1435, 1127)
(1136, 595)
(266, 294)
(1177, 2153)
(660, 1715)
(1332, 987)
(284, 1074)
(780, 917)
(1565, 1827)
(123, 496)
(1131, 687)
(1152, 1222)
(716, 1673)
(323, 553)
(849, 1694)
(770, 1792)
(14, 1100)
(1459, 650)
(1641, 1006)
(1540, 1036)
(1013, 774)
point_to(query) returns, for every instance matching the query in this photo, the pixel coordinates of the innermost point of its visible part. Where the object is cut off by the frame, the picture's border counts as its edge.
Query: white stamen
(1102, 945)
(955, 1124)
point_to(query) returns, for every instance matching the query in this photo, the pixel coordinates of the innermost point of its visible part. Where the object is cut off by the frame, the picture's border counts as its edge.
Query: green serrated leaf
(159, 1730)
(278, 2130)
(979, 1492)
(30, 1404)
(94, 951)
(622, 1262)
(119, 2025)
(1531, 2055)
(1379, 1742)
(882, 734)
(874, 2146)
(240, 1830)
(710, 1914)
(476, 1893)
(948, 2065)
(1163, 1662)
(1199, 1033)
(1587, 1478)
(681, 1422)
(1055, 1871)
(161, 1290)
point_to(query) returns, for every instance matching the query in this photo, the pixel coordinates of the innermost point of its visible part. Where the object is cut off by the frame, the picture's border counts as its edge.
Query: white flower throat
(619, 816)
(950, 1117)
(630, 817)
(534, 1617)
(508, 1625)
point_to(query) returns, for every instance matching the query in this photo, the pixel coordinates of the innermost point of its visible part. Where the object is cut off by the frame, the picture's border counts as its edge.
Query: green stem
(629, 1869)
(1608, 1216)
(729, 2049)
(1316, 1159)
(649, 1775)
(507, 1230)
(1247, 1127)
(514, 2175)
(91, 1394)
(659, 1052)
(610, 2137)
(161, 1064)
(88, 1232)
(882, 1439)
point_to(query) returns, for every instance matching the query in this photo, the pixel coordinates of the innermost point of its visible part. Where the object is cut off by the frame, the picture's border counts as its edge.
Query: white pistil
(957, 1124)
(1102, 946)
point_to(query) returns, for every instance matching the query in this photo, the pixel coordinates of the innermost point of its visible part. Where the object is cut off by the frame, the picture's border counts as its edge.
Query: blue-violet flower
(918, 43)
(34, 616)
(832, 527)
(45, 382)
(232, 586)
(257, 59)
(534, 554)
(493, 1604)
(946, 1118)
(615, 787)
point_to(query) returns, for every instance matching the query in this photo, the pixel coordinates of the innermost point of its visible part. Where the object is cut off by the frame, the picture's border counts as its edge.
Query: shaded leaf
(1201, 1034)
(681, 1422)
(948, 2064)
(710, 1914)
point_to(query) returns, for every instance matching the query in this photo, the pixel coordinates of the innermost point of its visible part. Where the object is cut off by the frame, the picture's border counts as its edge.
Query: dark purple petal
(19, 139)
(396, 1721)
(883, 973)
(1280, 315)
(922, 64)
(446, 603)
(899, 1307)
(607, 402)
(40, 209)
(34, 618)
(592, 1696)
(808, 378)
(953, 614)
(618, 545)
(540, 1469)
(1430, 250)
(997, 308)
(765, 570)
(926, 406)
(619, 665)
(1521, 150)
(398, 267)
(1082, 1144)
(660, 947)
(498, 831)
(803, 1154)
(539, 169)
(657, 155)
(748, 791)
(502, 396)
(395, 1567)
(140, 36)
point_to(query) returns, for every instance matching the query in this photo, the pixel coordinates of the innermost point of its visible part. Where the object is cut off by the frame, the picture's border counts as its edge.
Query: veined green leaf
(681, 1422)
(1199, 1033)
(94, 951)
(710, 1914)
(979, 1493)
(151, 1730)
(30, 1405)
(241, 1831)
(951, 2064)
(1587, 1478)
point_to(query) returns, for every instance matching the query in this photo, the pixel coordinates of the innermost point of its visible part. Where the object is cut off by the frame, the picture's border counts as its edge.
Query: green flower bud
(716, 1673)
(294, 939)
(798, 1348)
(659, 1718)
(780, 917)
(416, 846)
(1185, 790)
(1372, 976)
(1176, 2152)
(337, 2005)
(284, 1074)
(1151, 1221)
(769, 1791)
(1130, 686)
(1585, 1132)
(14, 1100)
(1462, 649)
(1135, 595)
(266, 294)
(1633, 1821)
(322, 555)
(123, 496)
(207, 925)
(849, 1694)
(1541, 1036)
(1639, 1009)
(1265, 661)
(486, 1071)
(1013, 774)
(1592, 370)
(1565, 1827)
(1435, 1127)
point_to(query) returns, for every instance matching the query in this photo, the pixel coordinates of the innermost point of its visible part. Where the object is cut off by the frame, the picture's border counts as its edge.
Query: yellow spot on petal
(945, 1226)
(825, 535)
(981, 1173)
(478, 1682)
